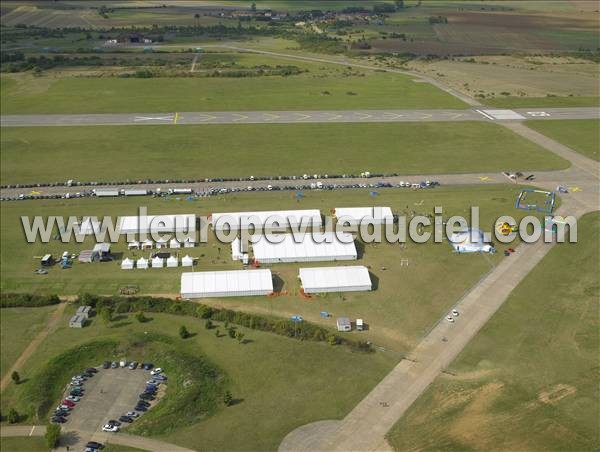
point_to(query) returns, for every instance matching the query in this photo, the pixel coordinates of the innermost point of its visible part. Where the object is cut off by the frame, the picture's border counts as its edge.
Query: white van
(359, 325)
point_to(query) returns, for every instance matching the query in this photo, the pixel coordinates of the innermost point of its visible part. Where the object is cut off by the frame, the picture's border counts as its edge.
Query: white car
(110, 428)
(156, 371)
(450, 319)
(455, 312)
(72, 398)
(131, 414)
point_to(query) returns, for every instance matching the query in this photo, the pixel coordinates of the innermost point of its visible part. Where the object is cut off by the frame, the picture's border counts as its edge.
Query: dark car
(60, 413)
(76, 392)
(146, 396)
(126, 419)
(58, 420)
(113, 422)
(140, 408)
(92, 370)
(106, 364)
(94, 445)
(143, 402)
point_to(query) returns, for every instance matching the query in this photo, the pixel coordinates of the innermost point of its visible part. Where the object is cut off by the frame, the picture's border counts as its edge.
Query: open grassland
(402, 308)
(18, 327)
(283, 382)
(580, 135)
(371, 90)
(116, 153)
(529, 380)
(22, 443)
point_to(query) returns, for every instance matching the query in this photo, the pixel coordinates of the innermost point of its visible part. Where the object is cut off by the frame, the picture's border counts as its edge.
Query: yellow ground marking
(175, 118)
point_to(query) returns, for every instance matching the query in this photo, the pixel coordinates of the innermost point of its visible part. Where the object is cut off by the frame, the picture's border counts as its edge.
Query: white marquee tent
(354, 215)
(335, 279)
(172, 262)
(286, 219)
(161, 243)
(142, 263)
(307, 249)
(126, 264)
(236, 249)
(187, 261)
(89, 226)
(133, 245)
(157, 223)
(158, 262)
(231, 283)
(174, 243)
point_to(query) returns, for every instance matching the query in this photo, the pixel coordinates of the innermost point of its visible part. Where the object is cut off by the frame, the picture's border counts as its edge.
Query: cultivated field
(529, 380)
(210, 151)
(582, 136)
(295, 383)
(401, 310)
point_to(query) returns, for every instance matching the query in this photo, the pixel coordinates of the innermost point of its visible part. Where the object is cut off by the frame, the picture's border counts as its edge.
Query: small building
(102, 249)
(87, 256)
(85, 311)
(174, 243)
(142, 263)
(343, 324)
(172, 262)
(126, 264)
(77, 321)
(47, 260)
(158, 262)
(187, 261)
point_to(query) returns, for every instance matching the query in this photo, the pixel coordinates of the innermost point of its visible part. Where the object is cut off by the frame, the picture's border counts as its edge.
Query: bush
(13, 416)
(208, 325)
(183, 332)
(52, 435)
(140, 317)
(13, 300)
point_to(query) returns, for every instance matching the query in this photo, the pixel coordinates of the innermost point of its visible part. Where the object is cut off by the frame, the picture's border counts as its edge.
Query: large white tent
(236, 249)
(354, 215)
(157, 223)
(305, 249)
(89, 226)
(285, 219)
(470, 241)
(335, 279)
(232, 283)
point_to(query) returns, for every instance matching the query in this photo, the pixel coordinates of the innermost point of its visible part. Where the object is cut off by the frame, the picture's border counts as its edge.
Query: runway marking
(363, 116)
(303, 117)
(32, 429)
(538, 113)
(154, 118)
(426, 116)
(175, 118)
(484, 178)
(208, 117)
(333, 116)
(392, 116)
(485, 114)
(270, 117)
(240, 117)
(456, 116)
(502, 114)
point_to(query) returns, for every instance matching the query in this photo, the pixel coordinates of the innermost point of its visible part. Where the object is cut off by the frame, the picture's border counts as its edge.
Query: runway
(295, 117)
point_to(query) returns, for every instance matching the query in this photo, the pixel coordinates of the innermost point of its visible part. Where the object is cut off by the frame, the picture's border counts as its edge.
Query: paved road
(303, 116)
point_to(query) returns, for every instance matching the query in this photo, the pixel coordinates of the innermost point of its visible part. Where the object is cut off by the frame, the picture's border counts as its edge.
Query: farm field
(374, 90)
(296, 382)
(189, 151)
(400, 310)
(19, 327)
(580, 135)
(531, 371)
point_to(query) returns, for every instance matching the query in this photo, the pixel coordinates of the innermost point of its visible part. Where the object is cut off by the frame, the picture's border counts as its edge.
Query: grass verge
(582, 135)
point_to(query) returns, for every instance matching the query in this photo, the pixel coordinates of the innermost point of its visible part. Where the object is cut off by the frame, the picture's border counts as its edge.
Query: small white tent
(174, 243)
(187, 261)
(236, 250)
(158, 262)
(133, 245)
(161, 243)
(126, 264)
(470, 241)
(147, 244)
(172, 262)
(142, 263)
(189, 243)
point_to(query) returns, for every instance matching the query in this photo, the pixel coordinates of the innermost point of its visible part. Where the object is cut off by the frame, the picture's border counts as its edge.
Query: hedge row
(13, 300)
(283, 327)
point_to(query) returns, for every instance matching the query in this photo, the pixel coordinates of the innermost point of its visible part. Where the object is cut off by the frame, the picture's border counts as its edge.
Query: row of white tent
(163, 243)
(157, 262)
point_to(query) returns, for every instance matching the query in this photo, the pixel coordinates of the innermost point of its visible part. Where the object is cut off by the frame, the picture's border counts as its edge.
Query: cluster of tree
(13, 300)
(319, 43)
(283, 327)
(11, 64)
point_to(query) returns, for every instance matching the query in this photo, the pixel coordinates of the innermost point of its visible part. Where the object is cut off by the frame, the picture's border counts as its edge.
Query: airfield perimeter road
(295, 117)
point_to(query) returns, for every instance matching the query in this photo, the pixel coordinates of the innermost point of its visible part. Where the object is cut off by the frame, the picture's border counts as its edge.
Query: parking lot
(108, 395)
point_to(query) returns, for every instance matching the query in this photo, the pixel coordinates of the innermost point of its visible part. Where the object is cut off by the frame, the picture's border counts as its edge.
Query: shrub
(13, 416)
(183, 332)
(13, 300)
(52, 435)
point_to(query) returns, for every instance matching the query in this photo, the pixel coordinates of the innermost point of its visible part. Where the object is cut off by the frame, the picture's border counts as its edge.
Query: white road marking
(154, 118)
(270, 117)
(302, 117)
(503, 114)
(392, 116)
(32, 429)
(363, 116)
(485, 114)
(239, 117)
(333, 116)
(538, 113)
(207, 117)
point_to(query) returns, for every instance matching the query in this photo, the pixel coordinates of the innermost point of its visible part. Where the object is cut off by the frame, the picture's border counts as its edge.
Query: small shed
(187, 261)
(142, 263)
(174, 243)
(77, 321)
(133, 245)
(158, 262)
(47, 260)
(172, 262)
(126, 264)
(84, 311)
(343, 324)
(87, 256)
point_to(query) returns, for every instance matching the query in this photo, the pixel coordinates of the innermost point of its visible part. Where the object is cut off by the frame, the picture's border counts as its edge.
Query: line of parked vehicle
(143, 404)
(76, 392)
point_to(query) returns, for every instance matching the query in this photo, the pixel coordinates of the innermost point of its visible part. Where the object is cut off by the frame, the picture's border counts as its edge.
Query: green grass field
(283, 382)
(18, 327)
(582, 136)
(541, 102)
(23, 443)
(302, 92)
(397, 321)
(198, 151)
(529, 379)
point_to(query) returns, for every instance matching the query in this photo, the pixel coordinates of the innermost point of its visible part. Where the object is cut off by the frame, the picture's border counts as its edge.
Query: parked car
(63, 407)
(106, 364)
(144, 403)
(146, 396)
(455, 312)
(94, 445)
(156, 371)
(147, 366)
(140, 408)
(76, 392)
(58, 420)
(69, 403)
(450, 319)
(114, 365)
(126, 419)
(153, 382)
(131, 414)
(133, 365)
(92, 370)
(110, 428)
(113, 422)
